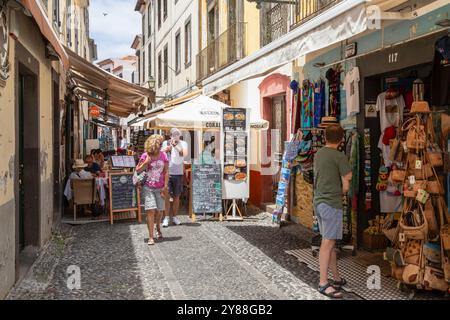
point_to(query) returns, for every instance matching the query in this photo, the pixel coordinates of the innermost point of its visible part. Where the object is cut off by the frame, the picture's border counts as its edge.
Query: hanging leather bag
(413, 223)
(416, 136)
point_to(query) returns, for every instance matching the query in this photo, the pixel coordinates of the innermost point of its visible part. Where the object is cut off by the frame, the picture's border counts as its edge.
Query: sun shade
(199, 113)
(124, 97)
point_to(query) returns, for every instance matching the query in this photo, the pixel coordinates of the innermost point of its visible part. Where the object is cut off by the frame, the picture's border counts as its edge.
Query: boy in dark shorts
(332, 175)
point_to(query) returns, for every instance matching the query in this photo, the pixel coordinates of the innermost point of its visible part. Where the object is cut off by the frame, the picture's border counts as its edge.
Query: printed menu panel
(235, 144)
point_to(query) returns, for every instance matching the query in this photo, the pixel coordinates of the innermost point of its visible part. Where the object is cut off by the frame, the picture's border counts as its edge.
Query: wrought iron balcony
(226, 49)
(308, 9)
(276, 23)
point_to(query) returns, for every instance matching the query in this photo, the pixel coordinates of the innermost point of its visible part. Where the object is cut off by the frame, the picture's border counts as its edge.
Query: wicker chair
(84, 192)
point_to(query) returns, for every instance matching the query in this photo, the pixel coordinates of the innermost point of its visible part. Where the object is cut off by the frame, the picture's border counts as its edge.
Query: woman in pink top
(157, 165)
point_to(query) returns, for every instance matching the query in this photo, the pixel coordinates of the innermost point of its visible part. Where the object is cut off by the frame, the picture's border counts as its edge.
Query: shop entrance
(279, 125)
(400, 82)
(56, 147)
(28, 162)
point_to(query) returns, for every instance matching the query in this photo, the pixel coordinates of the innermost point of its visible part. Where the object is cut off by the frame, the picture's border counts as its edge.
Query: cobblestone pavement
(202, 260)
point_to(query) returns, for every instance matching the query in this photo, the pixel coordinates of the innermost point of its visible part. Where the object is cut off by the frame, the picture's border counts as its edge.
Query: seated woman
(92, 167)
(99, 157)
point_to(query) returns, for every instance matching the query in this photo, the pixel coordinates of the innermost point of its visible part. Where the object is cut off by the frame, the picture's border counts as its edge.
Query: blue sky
(114, 32)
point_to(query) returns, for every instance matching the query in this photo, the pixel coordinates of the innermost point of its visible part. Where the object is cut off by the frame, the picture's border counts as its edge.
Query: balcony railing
(277, 23)
(226, 49)
(308, 9)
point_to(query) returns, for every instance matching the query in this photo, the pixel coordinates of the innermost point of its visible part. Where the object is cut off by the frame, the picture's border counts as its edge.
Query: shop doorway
(401, 81)
(28, 160)
(278, 126)
(56, 147)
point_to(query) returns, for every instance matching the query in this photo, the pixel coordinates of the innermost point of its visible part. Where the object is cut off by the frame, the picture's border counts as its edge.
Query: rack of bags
(420, 255)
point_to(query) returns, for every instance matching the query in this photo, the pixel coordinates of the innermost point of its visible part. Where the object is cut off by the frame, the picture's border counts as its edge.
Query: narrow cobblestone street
(203, 260)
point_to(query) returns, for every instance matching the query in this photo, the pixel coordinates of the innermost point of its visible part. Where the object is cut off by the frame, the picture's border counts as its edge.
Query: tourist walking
(156, 163)
(176, 150)
(332, 175)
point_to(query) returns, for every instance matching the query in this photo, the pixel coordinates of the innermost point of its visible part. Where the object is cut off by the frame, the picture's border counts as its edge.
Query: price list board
(207, 188)
(235, 144)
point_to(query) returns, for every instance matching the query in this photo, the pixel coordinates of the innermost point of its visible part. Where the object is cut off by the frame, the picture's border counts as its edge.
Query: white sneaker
(176, 221)
(165, 223)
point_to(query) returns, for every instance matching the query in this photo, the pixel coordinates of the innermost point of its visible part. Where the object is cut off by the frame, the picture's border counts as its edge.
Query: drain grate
(356, 275)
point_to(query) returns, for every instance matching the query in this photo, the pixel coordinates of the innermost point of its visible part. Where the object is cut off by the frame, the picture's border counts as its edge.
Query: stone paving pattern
(201, 260)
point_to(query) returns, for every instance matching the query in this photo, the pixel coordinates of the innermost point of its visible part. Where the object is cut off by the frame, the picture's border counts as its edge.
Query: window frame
(165, 10)
(178, 53)
(160, 69)
(188, 43)
(166, 63)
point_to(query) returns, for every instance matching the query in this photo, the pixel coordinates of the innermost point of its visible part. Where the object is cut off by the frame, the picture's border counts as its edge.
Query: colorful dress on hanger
(319, 102)
(334, 83)
(307, 105)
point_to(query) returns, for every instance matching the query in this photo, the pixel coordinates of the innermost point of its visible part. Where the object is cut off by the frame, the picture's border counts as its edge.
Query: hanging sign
(351, 50)
(94, 111)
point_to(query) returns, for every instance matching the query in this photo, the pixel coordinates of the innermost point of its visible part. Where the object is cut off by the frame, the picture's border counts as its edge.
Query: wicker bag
(415, 134)
(434, 279)
(413, 224)
(398, 175)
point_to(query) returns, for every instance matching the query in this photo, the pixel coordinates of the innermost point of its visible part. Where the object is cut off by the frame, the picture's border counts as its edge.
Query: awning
(45, 26)
(145, 123)
(200, 113)
(342, 21)
(124, 97)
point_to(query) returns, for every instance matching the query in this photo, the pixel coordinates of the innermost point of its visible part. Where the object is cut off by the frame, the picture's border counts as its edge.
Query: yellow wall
(30, 37)
(251, 16)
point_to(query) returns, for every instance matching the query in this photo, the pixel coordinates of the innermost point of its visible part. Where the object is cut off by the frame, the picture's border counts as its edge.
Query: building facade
(32, 123)
(125, 67)
(168, 46)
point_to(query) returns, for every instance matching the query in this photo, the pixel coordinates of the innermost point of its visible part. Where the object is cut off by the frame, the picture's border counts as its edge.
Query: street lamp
(258, 2)
(151, 82)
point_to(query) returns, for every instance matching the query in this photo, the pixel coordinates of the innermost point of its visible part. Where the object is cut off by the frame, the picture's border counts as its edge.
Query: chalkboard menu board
(207, 188)
(123, 194)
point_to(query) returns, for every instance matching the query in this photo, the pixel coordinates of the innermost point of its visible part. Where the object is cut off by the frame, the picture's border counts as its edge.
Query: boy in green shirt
(332, 175)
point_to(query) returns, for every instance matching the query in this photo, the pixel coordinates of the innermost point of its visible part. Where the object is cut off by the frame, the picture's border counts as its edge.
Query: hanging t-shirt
(391, 111)
(441, 73)
(319, 102)
(351, 86)
(307, 106)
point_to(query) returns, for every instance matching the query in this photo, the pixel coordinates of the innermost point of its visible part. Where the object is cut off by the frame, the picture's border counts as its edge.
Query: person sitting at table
(79, 172)
(92, 167)
(99, 157)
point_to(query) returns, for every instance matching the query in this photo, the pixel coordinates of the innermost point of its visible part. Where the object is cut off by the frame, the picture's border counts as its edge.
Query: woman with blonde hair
(157, 165)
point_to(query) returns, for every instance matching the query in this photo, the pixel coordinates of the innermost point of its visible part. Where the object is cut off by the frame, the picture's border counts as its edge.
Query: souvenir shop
(405, 158)
(397, 125)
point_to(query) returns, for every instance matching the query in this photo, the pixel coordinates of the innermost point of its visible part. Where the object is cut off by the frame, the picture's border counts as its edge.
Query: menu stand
(233, 208)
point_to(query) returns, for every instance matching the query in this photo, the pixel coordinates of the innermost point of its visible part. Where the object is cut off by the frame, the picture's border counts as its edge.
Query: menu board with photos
(235, 144)
(207, 188)
(123, 161)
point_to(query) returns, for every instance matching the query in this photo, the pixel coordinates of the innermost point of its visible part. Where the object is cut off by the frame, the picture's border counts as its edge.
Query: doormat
(357, 277)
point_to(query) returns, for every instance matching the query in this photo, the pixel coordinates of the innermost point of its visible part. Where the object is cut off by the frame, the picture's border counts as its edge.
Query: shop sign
(94, 111)
(393, 57)
(351, 50)
(371, 111)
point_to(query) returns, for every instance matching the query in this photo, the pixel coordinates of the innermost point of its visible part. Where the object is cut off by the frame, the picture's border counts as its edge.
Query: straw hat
(79, 163)
(328, 121)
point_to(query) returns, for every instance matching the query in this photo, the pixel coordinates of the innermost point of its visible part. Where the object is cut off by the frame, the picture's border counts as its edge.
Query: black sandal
(333, 295)
(339, 284)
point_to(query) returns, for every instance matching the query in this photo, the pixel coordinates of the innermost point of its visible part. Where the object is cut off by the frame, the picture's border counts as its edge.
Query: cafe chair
(84, 192)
